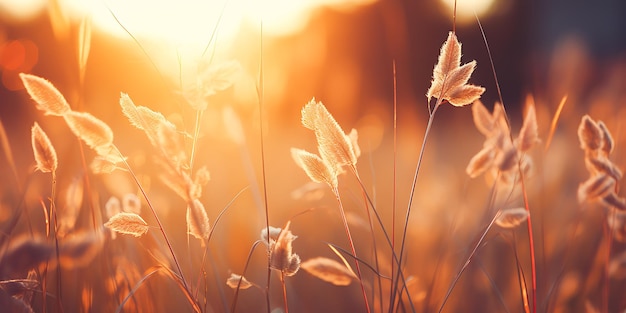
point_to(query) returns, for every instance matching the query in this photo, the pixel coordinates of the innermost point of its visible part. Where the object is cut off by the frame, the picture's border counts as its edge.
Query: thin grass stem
(243, 274)
(431, 118)
(352, 248)
(55, 223)
(261, 98)
(156, 217)
(467, 262)
(395, 169)
(530, 229)
(282, 283)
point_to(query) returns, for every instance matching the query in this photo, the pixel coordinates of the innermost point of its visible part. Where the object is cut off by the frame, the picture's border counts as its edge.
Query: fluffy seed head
(45, 155)
(315, 167)
(235, 281)
(607, 140)
(282, 257)
(511, 218)
(128, 223)
(594, 187)
(334, 146)
(589, 134)
(481, 162)
(329, 270)
(47, 97)
(94, 132)
(528, 135)
(198, 221)
(450, 78)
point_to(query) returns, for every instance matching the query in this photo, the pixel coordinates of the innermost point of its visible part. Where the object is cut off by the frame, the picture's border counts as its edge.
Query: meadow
(454, 205)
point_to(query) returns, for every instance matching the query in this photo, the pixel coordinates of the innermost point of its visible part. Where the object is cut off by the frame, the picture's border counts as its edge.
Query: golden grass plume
(197, 220)
(511, 218)
(234, 281)
(127, 223)
(45, 155)
(46, 96)
(329, 270)
(450, 78)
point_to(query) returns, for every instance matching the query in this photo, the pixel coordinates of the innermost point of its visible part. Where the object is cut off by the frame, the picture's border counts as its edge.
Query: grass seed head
(595, 187)
(235, 281)
(450, 78)
(334, 145)
(143, 118)
(528, 135)
(45, 155)
(329, 270)
(94, 132)
(614, 201)
(589, 134)
(315, 167)
(212, 78)
(480, 162)
(127, 223)
(47, 97)
(601, 164)
(198, 221)
(607, 140)
(483, 120)
(282, 257)
(511, 218)
(73, 203)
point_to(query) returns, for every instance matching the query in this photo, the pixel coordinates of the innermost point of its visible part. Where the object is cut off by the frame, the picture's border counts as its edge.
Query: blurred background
(339, 51)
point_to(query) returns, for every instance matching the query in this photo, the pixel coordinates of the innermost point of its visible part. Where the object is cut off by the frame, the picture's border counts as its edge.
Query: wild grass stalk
(521, 175)
(509, 203)
(352, 248)
(183, 281)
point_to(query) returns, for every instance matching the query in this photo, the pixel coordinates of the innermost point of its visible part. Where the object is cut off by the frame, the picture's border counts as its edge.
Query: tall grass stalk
(523, 185)
(395, 281)
(352, 248)
(467, 262)
(160, 225)
(395, 171)
(261, 98)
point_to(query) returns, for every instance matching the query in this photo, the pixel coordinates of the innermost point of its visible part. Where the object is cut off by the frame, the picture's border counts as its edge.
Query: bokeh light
(16, 56)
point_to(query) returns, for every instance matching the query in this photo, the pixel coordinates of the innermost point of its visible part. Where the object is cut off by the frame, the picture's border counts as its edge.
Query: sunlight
(175, 33)
(467, 8)
(193, 21)
(20, 10)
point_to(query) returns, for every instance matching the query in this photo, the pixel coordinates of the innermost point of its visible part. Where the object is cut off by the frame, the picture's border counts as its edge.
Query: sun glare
(467, 8)
(186, 22)
(20, 10)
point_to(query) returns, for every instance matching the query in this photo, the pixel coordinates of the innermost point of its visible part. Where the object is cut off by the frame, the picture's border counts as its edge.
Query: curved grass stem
(467, 262)
(160, 225)
(352, 248)
(431, 118)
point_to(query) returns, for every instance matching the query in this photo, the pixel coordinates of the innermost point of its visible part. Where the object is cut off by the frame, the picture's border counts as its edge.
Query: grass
(498, 218)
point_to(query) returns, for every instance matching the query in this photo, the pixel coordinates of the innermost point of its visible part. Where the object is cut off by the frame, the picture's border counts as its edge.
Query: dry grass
(507, 227)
